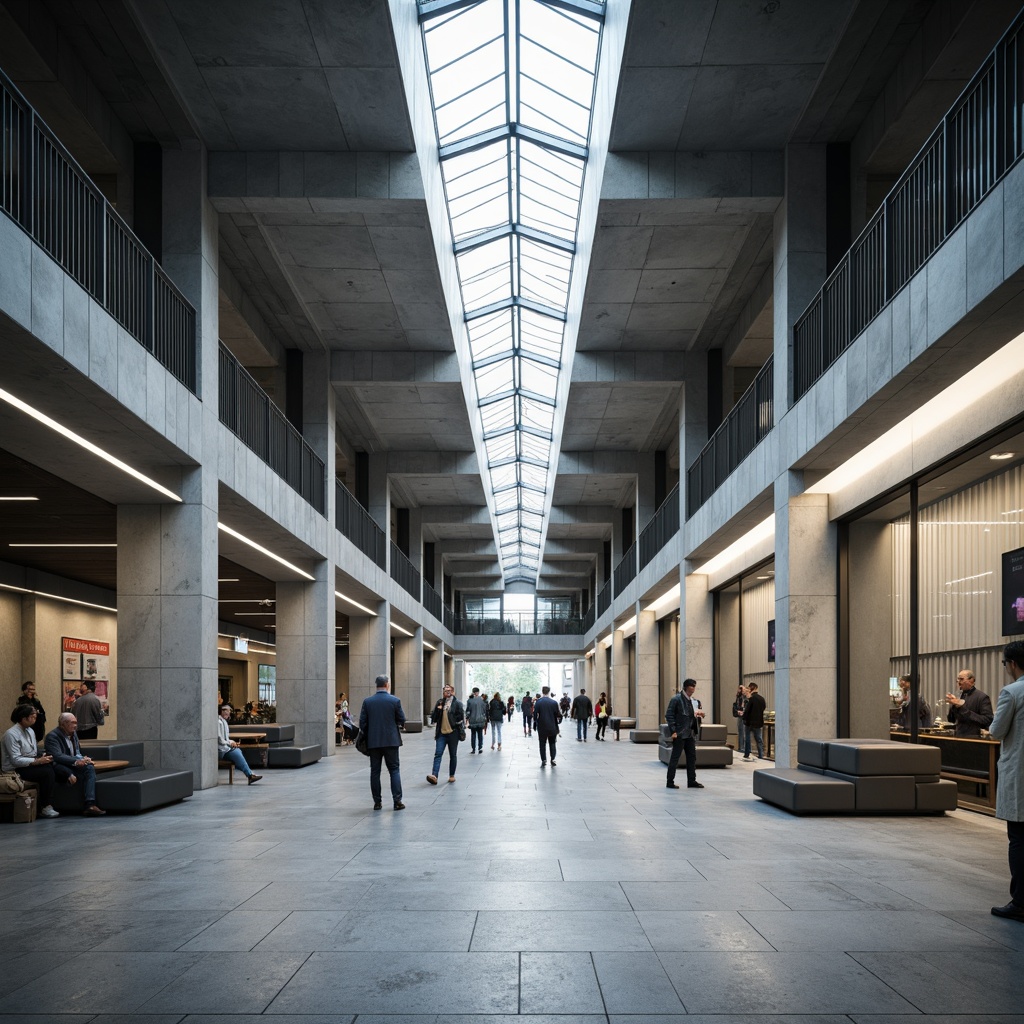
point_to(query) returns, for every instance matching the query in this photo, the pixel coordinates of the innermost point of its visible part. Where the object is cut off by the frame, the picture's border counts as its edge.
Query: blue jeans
(581, 728)
(527, 723)
(756, 733)
(389, 755)
(237, 758)
(741, 733)
(451, 741)
(496, 733)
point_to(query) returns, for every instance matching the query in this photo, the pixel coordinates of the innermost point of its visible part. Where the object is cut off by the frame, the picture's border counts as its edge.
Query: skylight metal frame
(514, 251)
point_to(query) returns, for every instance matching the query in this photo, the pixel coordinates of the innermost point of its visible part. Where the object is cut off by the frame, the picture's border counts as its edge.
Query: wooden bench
(230, 765)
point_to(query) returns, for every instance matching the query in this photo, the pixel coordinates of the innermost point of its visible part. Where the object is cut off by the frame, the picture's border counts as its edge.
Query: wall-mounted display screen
(1013, 592)
(771, 639)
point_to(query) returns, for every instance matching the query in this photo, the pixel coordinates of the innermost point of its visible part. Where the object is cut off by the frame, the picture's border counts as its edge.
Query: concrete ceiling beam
(455, 514)
(355, 368)
(432, 464)
(597, 463)
(565, 515)
(746, 179)
(637, 367)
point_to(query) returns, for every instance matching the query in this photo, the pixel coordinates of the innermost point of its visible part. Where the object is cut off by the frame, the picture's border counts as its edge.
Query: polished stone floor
(585, 892)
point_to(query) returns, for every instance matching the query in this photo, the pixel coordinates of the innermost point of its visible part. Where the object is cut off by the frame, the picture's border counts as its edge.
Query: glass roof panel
(514, 206)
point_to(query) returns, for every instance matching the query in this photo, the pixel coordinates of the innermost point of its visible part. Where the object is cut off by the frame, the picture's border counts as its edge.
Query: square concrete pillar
(697, 634)
(306, 658)
(167, 634)
(438, 661)
(805, 618)
(619, 688)
(799, 255)
(648, 671)
(449, 668)
(369, 654)
(460, 681)
(380, 492)
(319, 420)
(408, 682)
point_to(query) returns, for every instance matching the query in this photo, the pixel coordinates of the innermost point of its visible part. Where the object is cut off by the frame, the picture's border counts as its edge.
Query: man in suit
(1008, 727)
(683, 718)
(70, 765)
(972, 710)
(546, 716)
(581, 710)
(380, 718)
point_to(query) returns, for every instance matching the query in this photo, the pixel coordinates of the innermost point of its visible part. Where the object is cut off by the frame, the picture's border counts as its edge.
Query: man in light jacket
(1008, 727)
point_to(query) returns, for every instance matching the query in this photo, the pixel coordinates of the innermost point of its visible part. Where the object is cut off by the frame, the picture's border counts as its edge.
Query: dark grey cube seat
(411, 726)
(857, 757)
(713, 733)
(935, 797)
(139, 791)
(644, 735)
(803, 792)
(880, 794)
(294, 757)
(708, 755)
(276, 735)
(131, 751)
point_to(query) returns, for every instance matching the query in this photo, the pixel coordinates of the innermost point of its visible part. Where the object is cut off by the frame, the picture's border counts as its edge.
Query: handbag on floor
(24, 809)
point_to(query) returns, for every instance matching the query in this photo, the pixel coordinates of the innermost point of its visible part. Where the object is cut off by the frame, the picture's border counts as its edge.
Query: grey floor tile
(703, 896)
(635, 983)
(303, 931)
(408, 931)
(142, 932)
(556, 983)
(819, 895)
(1006, 933)
(271, 1018)
(939, 982)
(664, 869)
(787, 983)
(694, 930)
(746, 1018)
(372, 983)
(536, 895)
(227, 983)
(135, 1018)
(940, 1018)
(236, 931)
(558, 931)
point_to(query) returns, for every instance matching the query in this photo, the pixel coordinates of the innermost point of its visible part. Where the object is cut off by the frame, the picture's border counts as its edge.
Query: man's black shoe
(377, 806)
(695, 785)
(671, 785)
(399, 806)
(1011, 910)
(543, 764)
(552, 764)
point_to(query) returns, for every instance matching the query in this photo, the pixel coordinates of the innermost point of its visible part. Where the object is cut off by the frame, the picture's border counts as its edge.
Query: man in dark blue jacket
(683, 719)
(546, 716)
(380, 718)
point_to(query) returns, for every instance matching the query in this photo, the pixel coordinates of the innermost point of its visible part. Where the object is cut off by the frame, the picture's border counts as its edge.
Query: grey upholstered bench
(293, 757)
(803, 792)
(273, 735)
(644, 735)
(712, 751)
(135, 792)
(132, 751)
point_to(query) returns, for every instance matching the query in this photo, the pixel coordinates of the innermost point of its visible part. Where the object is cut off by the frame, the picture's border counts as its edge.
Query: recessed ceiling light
(87, 445)
(240, 614)
(230, 579)
(401, 629)
(62, 545)
(18, 498)
(355, 604)
(764, 577)
(1000, 456)
(57, 597)
(264, 551)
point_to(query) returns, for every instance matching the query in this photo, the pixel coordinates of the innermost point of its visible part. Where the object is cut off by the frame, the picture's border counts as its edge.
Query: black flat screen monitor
(1013, 592)
(771, 639)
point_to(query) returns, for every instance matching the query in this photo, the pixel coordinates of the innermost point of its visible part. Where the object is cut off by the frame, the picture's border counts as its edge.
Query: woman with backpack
(495, 716)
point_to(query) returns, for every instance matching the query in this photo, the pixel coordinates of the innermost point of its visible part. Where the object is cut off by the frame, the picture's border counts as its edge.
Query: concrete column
(416, 538)
(644, 491)
(618, 691)
(167, 632)
(380, 492)
(369, 654)
(460, 681)
(437, 664)
(306, 658)
(408, 681)
(799, 256)
(648, 671)
(167, 554)
(319, 420)
(696, 634)
(805, 617)
(449, 668)
(693, 435)
(870, 610)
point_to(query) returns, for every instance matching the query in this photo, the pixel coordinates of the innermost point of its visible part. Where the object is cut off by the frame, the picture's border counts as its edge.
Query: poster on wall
(85, 661)
(1013, 592)
(771, 639)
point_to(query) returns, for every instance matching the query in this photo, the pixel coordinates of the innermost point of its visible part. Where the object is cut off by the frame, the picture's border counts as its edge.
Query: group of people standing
(748, 709)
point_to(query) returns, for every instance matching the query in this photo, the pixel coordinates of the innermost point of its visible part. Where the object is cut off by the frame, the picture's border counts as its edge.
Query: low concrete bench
(863, 776)
(712, 751)
(144, 790)
(294, 757)
(644, 735)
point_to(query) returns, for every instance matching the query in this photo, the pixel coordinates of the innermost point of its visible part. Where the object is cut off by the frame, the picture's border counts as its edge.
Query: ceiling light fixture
(263, 551)
(760, 533)
(355, 604)
(669, 599)
(429, 645)
(62, 545)
(57, 597)
(1001, 456)
(16, 498)
(401, 629)
(605, 641)
(628, 628)
(232, 579)
(83, 443)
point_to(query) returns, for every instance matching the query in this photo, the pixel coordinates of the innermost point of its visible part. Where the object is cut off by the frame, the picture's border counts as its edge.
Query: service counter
(971, 764)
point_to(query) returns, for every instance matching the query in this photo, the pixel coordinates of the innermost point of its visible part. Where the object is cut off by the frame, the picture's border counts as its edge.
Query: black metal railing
(590, 618)
(247, 411)
(625, 571)
(403, 572)
(749, 421)
(661, 529)
(604, 598)
(449, 619)
(432, 600)
(519, 624)
(358, 525)
(43, 189)
(970, 151)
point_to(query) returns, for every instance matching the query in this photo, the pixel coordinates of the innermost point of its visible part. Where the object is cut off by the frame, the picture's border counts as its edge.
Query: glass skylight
(512, 88)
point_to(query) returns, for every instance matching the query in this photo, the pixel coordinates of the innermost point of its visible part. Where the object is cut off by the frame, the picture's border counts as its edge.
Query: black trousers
(678, 746)
(42, 775)
(549, 739)
(389, 755)
(1015, 833)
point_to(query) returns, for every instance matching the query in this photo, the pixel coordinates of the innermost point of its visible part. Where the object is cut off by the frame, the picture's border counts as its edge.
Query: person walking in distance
(546, 716)
(683, 718)
(495, 717)
(526, 705)
(449, 721)
(753, 719)
(476, 713)
(601, 713)
(380, 718)
(581, 710)
(1008, 727)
